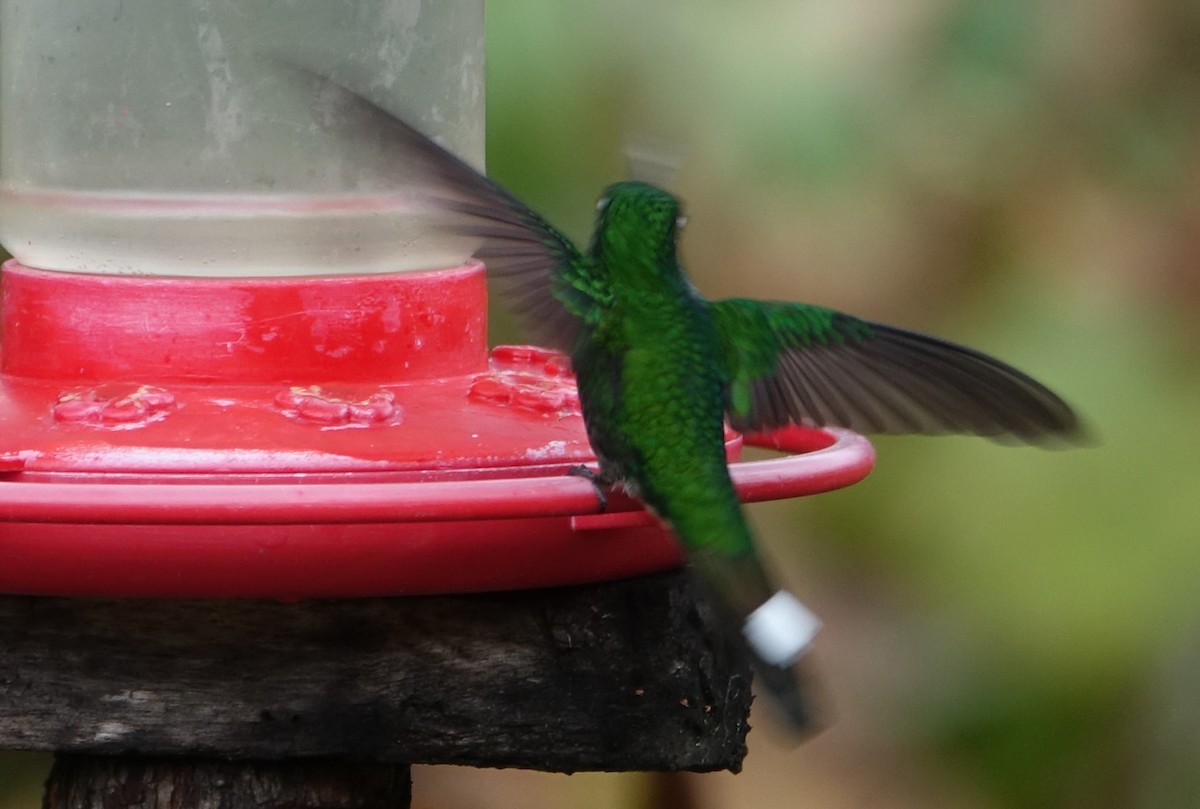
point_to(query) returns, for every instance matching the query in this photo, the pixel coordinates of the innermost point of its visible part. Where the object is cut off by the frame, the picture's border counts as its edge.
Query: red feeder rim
(310, 437)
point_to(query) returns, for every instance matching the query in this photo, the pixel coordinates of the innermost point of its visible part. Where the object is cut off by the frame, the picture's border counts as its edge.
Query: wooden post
(133, 782)
(628, 675)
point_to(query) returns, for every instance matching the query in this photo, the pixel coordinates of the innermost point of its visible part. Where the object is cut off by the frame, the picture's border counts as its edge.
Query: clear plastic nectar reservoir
(142, 137)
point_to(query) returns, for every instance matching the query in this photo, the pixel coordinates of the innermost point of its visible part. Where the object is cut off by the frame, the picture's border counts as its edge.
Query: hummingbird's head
(637, 221)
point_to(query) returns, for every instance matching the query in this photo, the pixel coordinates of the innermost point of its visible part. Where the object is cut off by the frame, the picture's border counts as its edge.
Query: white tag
(781, 629)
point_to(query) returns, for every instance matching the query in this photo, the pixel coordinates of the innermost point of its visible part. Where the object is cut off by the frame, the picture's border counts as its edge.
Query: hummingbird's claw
(597, 479)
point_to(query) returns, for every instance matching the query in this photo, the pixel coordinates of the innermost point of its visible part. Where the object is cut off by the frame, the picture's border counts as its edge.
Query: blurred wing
(801, 364)
(532, 265)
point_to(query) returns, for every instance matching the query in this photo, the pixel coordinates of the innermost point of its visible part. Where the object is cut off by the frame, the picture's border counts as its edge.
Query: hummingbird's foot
(598, 480)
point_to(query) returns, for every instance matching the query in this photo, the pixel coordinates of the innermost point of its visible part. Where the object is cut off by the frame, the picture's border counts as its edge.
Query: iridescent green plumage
(660, 369)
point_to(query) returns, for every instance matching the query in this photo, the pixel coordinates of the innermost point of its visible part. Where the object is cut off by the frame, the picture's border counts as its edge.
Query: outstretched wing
(532, 265)
(802, 364)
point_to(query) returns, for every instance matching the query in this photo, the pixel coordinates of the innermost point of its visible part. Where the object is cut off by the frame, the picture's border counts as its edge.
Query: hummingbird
(661, 370)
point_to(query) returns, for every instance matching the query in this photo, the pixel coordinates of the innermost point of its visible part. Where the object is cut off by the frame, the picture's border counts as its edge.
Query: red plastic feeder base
(316, 437)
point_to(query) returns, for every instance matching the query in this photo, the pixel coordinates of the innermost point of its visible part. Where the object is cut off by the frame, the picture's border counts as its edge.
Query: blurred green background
(1004, 627)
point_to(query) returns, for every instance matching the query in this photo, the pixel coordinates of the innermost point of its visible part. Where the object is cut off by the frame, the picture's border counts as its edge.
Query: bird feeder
(233, 364)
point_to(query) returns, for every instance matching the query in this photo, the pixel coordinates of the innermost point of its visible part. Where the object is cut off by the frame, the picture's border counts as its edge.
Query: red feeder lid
(312, 437)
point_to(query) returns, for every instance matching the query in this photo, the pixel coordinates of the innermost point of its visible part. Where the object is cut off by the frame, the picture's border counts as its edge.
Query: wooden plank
(629, 675)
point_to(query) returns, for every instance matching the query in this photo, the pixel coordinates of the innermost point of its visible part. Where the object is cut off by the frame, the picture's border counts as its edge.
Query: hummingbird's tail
(773, 627)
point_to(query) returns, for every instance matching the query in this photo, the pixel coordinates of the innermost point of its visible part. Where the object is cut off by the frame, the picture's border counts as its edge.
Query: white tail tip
(781, 629)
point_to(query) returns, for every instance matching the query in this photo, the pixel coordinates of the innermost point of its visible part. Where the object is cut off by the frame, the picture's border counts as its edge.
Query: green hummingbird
(660, 370)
